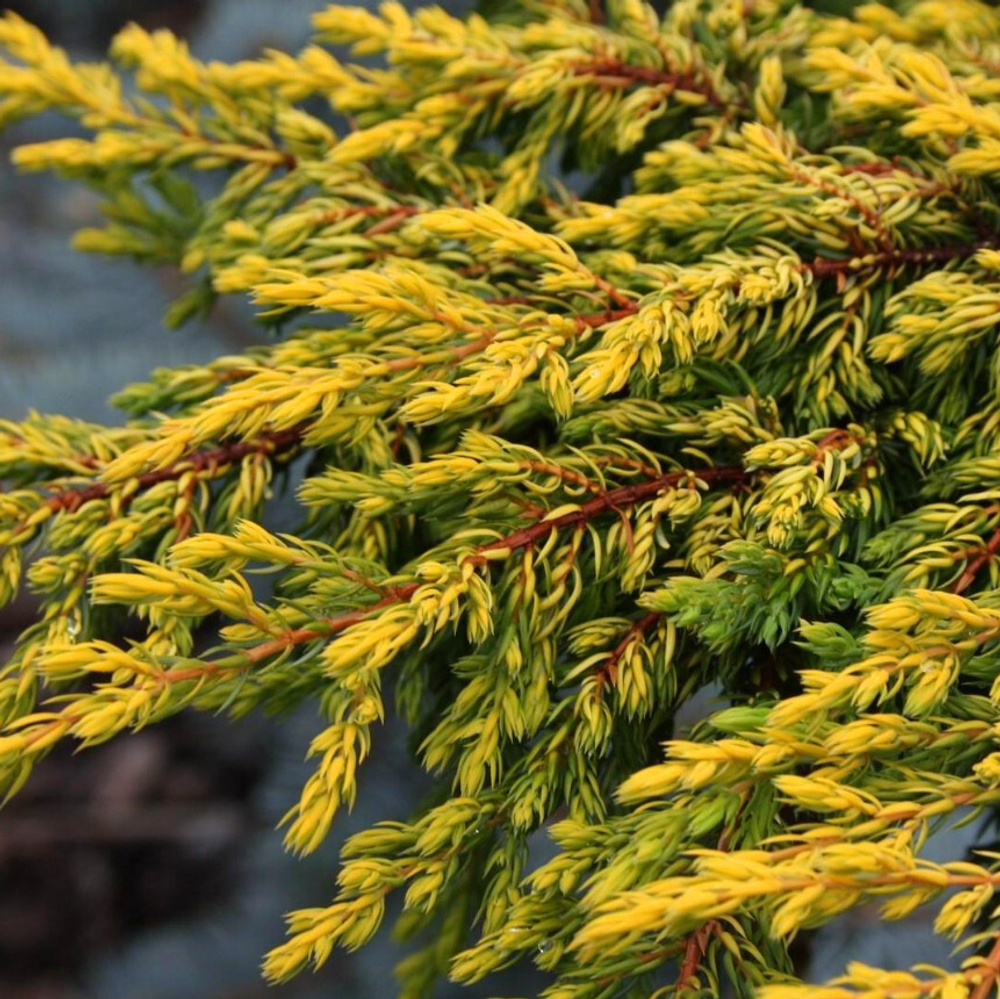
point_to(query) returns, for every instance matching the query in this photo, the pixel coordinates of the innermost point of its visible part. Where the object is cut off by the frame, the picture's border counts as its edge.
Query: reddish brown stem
(566, 474)
(614, 72)
(623, 496)
(523, 538)
(697, 942)
(694, 952)
(270, 443)
(393, 221)
(397, 440)
(876, 169)
(274, 442)
(328, 626)
(608, 673)
(366, 211)
(834, 440)
(985, 556)
(593, 319)
(871, 216)
(251, 656)
(470, 347)
(822, 267)
(991, 969)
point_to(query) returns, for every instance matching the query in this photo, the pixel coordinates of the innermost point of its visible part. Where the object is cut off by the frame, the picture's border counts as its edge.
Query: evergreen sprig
(726, 416)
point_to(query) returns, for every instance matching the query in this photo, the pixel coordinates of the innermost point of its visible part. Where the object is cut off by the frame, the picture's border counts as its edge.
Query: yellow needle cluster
(616, 355)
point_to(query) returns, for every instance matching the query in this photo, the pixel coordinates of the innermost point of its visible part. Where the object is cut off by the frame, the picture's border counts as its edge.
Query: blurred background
(149, 868)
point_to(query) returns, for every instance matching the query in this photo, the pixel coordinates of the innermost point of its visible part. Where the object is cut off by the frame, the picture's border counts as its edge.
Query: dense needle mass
(726, 414)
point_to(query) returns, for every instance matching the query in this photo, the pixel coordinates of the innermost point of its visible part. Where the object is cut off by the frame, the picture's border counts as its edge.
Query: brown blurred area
(104, 845)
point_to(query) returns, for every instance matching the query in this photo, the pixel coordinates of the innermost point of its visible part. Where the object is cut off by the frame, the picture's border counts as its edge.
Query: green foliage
(728, 417)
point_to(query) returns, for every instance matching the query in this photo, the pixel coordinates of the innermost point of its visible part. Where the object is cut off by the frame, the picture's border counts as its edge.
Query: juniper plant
(725, 415)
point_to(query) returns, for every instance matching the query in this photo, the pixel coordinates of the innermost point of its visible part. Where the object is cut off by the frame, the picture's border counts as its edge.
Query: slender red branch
(393, 221)
(872, 217)
(834, 440)
(697, 942)
(614, 72)
(275, 442)
(608, 673)
(822, 267)
(876, 169)
(365, 211)
(249, 657)
(583, 322)
(694, 951)
(225, 454)
(611, 500)
(566, 474)
(615, 294)
(593, 319)
(986, 555)
(327, 626)
(614, 499)
(397, 440)
(991, 970)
